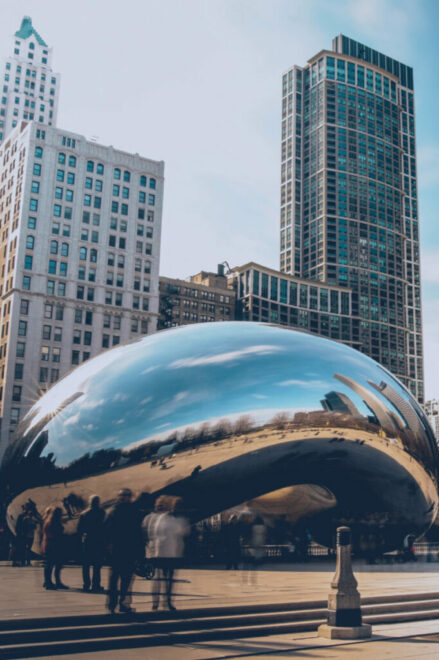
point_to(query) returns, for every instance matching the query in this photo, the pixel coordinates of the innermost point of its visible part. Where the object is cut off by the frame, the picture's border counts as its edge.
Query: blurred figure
(91, 533)
(165, 531)
(123, 532)
(232, 543)
(52, 546)
(258, 537)
(30, 522)
(17, 548)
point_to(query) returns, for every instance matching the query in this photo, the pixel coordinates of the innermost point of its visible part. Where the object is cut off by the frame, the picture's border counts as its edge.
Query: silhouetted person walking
(122, 526)
(91, 533)
(165, 531)
(52, 546)
(232, 542)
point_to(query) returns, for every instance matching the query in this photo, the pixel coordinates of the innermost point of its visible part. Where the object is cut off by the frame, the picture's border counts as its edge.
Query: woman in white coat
(165, 533)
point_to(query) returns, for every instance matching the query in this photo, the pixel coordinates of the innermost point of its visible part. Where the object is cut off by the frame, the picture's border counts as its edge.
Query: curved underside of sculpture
(228, 414)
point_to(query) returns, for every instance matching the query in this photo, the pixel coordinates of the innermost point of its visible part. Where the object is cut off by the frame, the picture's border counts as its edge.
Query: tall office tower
(349, 211)
(80, 231)
(30, 88)
(431, 409)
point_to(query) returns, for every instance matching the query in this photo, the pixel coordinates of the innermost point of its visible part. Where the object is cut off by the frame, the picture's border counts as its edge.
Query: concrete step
(66, 635)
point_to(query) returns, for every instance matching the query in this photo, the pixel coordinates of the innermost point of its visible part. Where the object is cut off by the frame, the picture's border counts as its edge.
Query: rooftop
(27, 30)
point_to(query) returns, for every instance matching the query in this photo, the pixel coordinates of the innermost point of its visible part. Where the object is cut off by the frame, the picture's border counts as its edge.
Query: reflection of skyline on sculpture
(210, 381)
(228, 413)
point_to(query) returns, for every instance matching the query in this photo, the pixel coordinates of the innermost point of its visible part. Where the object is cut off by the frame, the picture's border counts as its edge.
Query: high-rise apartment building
(349, 213)
(80, 231)
(30, 88)
(431, 409)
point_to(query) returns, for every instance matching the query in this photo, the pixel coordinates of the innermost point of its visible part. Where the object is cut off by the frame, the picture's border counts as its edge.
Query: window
(28, 262)
(47, 331)
(18, 371)
(107, 319)
(54, 247)
(86, 217)
(63, 268)
(118, 299)
(143, 180)
(22, 328)
(83, 253)
(57, 335)
(44, 374)
(61, 158)
(142, 197)
(54, 375)
(88, 182)
(38, 152)
(33, 204)
(69, 195)
(52, 266)
(20, 349)
(116, 340)
(35, 187)
(57, 208)
(93, 255)
(72, 161)
(70, 178)
(151, 199)
(110, 259)
(126, 176)
(31, 222)
(24, 307)
(152, 183)
(56, 354)
(16, 393)
(90, 166)
(59, 314)
(90, 294)
(37, 169)
(77, 336)
(45, 353)
(105, 341)
(48, 311)
(97, 202)
(122, 243)
(75, 357)
(66, 230)
(78, 315)
(65, 250)
(80, 292)
(99, 168)
(60, 175)
(88, 318)
(116, 173)
(30, 242)
(51, 287)
(87, 200)
(87, 338)
(115, 207)
(125, 192)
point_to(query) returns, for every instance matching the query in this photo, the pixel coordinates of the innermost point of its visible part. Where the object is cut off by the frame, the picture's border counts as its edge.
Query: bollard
(344, 606)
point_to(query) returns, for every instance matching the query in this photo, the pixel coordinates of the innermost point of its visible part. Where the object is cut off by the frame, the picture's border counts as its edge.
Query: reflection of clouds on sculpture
(223, 358)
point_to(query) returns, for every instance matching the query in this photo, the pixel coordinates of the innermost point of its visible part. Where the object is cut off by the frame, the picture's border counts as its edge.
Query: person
(91, 533)
(232, 543)
(53, 547)
(165, 531)
(258, 536)
(29, 525)
(123, 532)
(17, 550)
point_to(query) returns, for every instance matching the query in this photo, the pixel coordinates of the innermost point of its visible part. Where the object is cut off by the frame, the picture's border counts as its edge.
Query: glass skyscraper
(349, 213)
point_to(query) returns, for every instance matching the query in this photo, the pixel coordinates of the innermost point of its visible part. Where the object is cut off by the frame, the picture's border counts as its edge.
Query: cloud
(304, 383)
(145, 401)
(89, 405)
(72, 420)
(148, 370)
(120, 396)
(260, 396)
(221, 358)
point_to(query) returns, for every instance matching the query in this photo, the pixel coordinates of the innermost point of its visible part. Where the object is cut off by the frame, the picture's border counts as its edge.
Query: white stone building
(432, 411)
(30, 89)
(80, 228)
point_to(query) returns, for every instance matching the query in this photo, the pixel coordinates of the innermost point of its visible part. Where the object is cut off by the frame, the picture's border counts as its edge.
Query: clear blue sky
(197, 83)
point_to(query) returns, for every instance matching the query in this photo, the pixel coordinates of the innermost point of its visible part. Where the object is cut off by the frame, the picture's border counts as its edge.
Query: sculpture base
(345, 632)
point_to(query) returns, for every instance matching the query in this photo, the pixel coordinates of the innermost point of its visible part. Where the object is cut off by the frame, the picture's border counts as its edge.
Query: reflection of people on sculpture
(256, 550)
(91, 533)
(165, 530)
(232, 543)
(52, 547)
(122, 528)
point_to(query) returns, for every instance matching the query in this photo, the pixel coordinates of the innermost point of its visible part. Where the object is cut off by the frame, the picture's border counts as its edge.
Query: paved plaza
(22, 596)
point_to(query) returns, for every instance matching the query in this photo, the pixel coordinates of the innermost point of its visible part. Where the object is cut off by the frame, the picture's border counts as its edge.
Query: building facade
(202, 298)
(268, 296)
(349, 214)
(30, 88)
(80, 227)
(431, 409)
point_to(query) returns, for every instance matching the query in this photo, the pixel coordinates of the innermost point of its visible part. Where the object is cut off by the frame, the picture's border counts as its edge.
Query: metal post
(344, 604)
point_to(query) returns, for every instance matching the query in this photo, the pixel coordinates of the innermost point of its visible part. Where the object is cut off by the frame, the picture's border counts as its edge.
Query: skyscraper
(30, 87)
(79, 257)
(349, 211)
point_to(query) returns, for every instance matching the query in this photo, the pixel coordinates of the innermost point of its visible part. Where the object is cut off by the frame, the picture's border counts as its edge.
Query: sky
(197, 83)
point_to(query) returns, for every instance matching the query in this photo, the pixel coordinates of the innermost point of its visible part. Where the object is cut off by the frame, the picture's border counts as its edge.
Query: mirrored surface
(232, 414)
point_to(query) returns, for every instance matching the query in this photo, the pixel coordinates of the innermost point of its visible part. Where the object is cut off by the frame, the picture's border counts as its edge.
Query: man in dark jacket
(91, 533)
(123, 533)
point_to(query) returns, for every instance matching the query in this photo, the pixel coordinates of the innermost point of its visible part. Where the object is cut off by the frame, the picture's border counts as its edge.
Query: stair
(33, 638)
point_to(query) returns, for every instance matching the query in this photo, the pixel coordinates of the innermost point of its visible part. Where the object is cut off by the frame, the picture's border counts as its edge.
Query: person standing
(91, 533)
(53, 548)
(232, 543)
(165, 531)
(123, 532)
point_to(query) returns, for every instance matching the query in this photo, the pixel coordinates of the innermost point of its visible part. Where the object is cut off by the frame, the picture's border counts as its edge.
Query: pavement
(22, 596)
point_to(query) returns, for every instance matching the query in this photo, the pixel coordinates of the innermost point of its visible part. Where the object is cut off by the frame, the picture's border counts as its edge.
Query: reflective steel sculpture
(223, 414)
